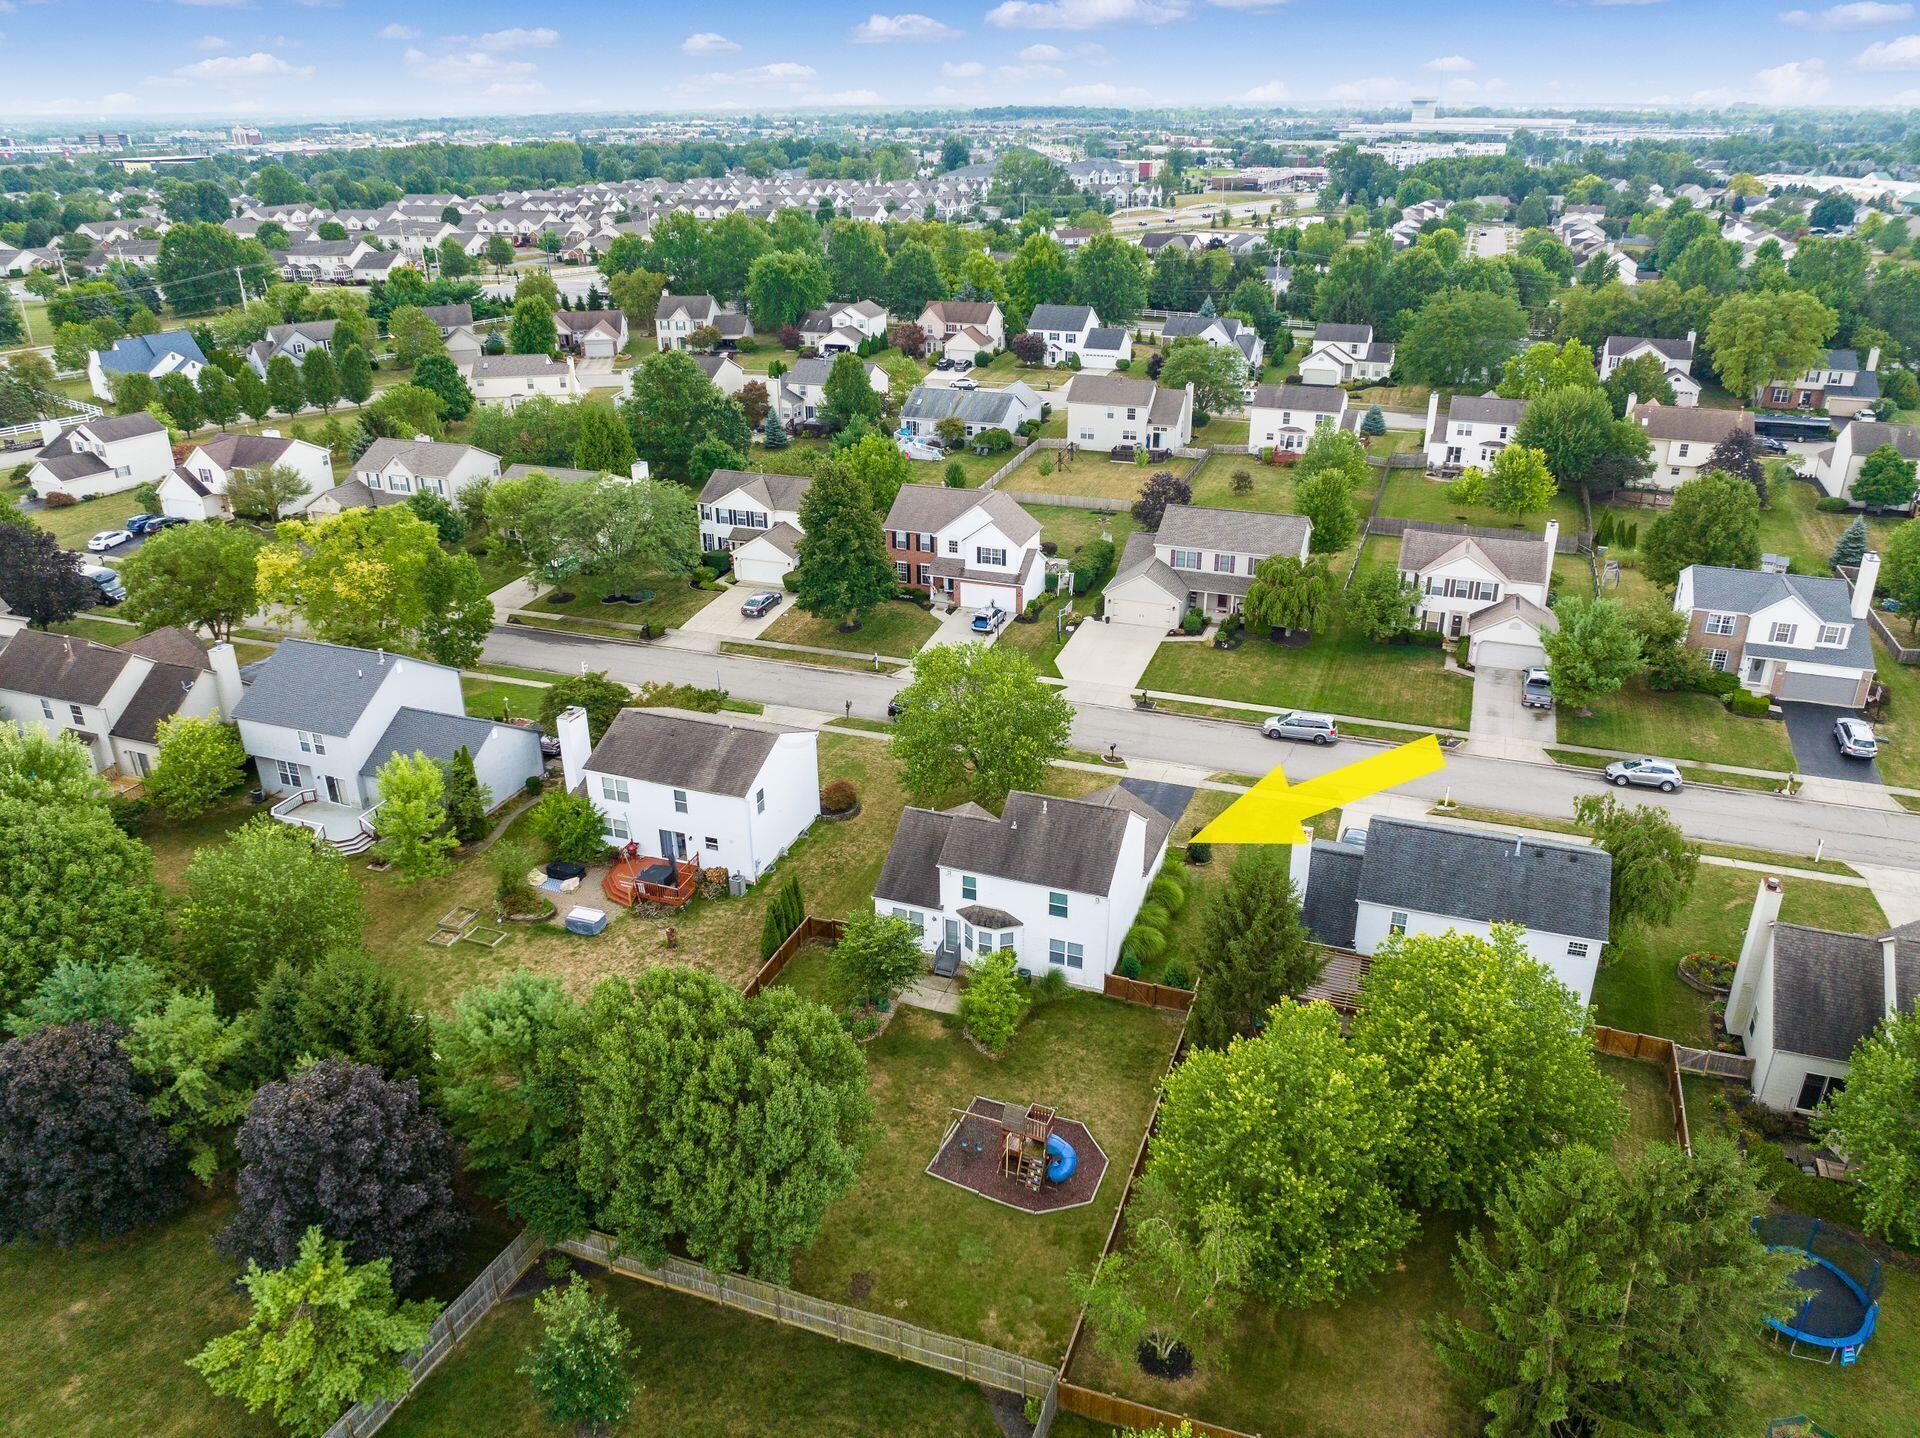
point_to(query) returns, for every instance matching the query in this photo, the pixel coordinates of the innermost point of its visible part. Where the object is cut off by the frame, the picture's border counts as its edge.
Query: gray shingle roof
(58, 666)
(1488, 878)
(1513, 607)
(911, 874)
(1059, 317)
(324, 688)
(515, 367)
(1522, 559)
(775, 491)
(1106, 337)
(1679, 351)
(1333, 889)
(1869, 435)
(1747, 591)
(245, 451)
(171, 645)
(1701, 426)
(157, 698)
(1088, 388)
(1001, 407)
(1485, 409)
(1234, 530)
(1314, 398)
(929, 508)
(1137, 560)
(1829, 989)
(142, 352)
(423, 457)
(706, 753)
(1343, 334)
(438, 736)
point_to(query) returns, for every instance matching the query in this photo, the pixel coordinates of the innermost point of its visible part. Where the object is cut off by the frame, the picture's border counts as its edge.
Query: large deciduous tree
(39, 580)
(265, 492)
(1111, 274)
(1289, 594)
(197, 576)
(848, 394)
(413, 833)
(672, 407)
(1542, 367)
(1461, 338)
(977, 719)
(1253, 951)
(201, 760)
(1885, 481)
(782, 285)
(1519, 482)
(1216, 372)
(1715, 519)
(1595, 650)
(1767, 335)
(1654, 864)
(1875, 1120)
(1575, 430)
(1161, 489)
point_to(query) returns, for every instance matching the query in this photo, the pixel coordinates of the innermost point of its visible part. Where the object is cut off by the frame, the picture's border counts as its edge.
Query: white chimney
(1864, 582)
(1433, 416)
(226, 676)
(638, 470)
(1552, 538)
(1889, 974)
(1873, 358)
(1299, 866)
(1690, 338)
(575, 743)
(1753, 954)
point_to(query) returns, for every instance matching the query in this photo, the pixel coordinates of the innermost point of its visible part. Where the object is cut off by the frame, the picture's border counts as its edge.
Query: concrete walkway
(956, 627)
(1898, 891)
(517, 595)
(929, 991)
(1501, 725)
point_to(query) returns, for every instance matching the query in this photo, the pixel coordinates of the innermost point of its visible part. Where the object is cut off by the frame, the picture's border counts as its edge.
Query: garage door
(1819, 689)
(1496, 654)
(761, 571)
(1157, 613)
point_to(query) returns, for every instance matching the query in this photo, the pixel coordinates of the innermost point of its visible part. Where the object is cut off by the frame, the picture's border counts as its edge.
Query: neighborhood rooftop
(710, 754)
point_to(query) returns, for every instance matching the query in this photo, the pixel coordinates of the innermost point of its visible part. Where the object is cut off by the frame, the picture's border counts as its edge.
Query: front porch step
(358, 844)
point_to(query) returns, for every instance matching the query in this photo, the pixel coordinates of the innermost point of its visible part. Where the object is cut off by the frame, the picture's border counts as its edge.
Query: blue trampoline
(1840, 1287)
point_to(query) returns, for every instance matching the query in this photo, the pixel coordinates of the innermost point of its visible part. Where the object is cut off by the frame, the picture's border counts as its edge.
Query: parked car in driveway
(943, 363)
(141, 523)
(1770, 445)
(1658, 774)
(988, 619)
(765, 602)
(112, 591)
(1298, 725)
(1855, 737)
(1536, 689)
(108, 539)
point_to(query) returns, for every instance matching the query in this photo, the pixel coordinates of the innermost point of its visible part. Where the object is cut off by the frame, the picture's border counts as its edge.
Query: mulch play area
(971, 1157)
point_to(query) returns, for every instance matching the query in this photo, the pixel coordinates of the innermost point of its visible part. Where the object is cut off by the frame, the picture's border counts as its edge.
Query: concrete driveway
(1810, 727)
(1102, 661)
(720, 617)
(956, 627)
(1502, 726)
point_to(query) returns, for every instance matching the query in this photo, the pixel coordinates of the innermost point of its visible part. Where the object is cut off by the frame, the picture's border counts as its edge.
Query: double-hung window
(1832, 634)
(969, 887)
(311, 743)
(990, 558)
(1397, 922)
(679, 801)
(46, 709)
(1718, 624)
(759, 801)
(1066, 955)
(288, 773)
(1225, 564)
(1782, 632)
(1056, 904)
(79, 714)
(1186, 559)
(614, 790)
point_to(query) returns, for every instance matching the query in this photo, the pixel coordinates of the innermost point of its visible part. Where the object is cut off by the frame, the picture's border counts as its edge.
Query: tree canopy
(977, 719)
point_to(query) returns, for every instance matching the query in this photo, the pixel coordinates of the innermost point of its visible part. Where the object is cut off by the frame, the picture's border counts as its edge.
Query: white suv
(1651, 773)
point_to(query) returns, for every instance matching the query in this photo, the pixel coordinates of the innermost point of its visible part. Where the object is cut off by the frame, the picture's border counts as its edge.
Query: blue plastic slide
(1061, 1159)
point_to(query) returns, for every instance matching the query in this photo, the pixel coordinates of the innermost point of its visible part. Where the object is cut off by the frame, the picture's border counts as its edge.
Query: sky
(270, 59)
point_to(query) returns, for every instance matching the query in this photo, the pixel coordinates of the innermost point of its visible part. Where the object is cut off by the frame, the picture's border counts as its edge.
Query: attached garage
(1506, 635)
(1145, 603)
(1798, 686)
(767, 559)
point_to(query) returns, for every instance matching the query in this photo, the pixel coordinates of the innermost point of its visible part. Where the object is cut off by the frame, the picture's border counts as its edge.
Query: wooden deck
(672, 883)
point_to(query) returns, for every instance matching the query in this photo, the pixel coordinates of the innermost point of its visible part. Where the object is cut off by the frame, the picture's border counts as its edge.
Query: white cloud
(1900, 54)
(467, 68)
(892, 29)
(1040, 52)
(965, 70)
(1084, 14)
(1463, 87)
(1373, 88)
(398, 31)
(707, 43)
(1449, 64)
(786, 73)
(1907, 97)
(518, 39)
(1102, 93)
(1798, 82)
(510, 89)
(210, 42)
(854, 97)
(258, 66)
(1858, 16)
(1271, 93)
(1030, 72)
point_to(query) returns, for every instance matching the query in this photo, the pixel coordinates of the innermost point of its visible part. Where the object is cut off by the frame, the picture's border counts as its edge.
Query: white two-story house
(506, 380)
(1839, 383)
(108, 454)
(1057, 881)
(1075, 332)
(1346, 354)
(973, 548)
(1487, 585)
(1284, 417)
(1802, 999)
(155, 355)
(1793, 637)
(1684, 439)
(964, 329)
(1838, 465)
(1109, 411)
(1675, 357)
(319, 720)
(842, 327)
(1220, 331)
(757, 518)
(717, 790)
(404, 467)
(1412, 877)
(294, 342)
(1199, 559)
(678, 316)
(196, 488)
(1477, 428)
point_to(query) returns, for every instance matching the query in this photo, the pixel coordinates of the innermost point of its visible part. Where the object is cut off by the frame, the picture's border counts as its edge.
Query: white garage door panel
(1819, 689)
(1498, 654)
(1155, 613)
(760, 571)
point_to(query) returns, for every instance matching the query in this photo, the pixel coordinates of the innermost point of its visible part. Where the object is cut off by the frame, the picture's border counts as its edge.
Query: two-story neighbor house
(1408, 876)
(405, 467)
(1838, 383)
(978, 409)
(591, 334)
(1075, 331)
(455, 323)
(319, 720)
(1675, 356)
(1489, 585)
(1057, 881)
(1802, 999)
(108, 454)
(1222, 331)
(1684, 439)
(1477, 428)
(1838, 465)
(717, 790)
(1199, 559)
(1286, 416)
(157, 355)
(506, 380)
(800, 395)
(1343, 354)
(196, 488)
(292, 341)
(113, 699)
(964, 329)
(842, 327)
(1793, 637)
(678, 316)
(757, 518)
(972, 548)
(1108, 411)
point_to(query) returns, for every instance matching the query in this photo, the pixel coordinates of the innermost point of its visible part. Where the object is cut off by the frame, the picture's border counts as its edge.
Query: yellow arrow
(1274, 812)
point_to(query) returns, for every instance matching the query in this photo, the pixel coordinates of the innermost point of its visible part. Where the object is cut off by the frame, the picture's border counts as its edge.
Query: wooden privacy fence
(448, 1329)
(960, 1357)
(1663, 1054)
(810, 929)
(1152, 996)
(1125, 1413)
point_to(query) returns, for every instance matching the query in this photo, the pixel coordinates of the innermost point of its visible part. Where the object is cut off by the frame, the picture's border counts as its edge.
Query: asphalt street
(1799, 826)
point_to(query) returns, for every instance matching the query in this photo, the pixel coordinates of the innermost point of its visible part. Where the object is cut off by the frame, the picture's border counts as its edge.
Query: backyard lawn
(101, 631)
(74, 524)
(498, 698)
(906, 1244)
(698, 1369)
(896, 628)
(1089, 475)
(674, 600)
(799, 456)
(1070, 530)
(1337, 673)
(1899, 731)
(1677, 726)
(1411, 495)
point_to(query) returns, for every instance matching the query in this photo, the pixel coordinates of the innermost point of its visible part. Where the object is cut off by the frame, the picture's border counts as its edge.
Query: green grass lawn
(1070, 529)
(74, 524)
(906, 1244)
(1224, 430)
(1899, 730)
(490, 698)
(103, 631)
(1411, 495)
(1091, 475)
(1677, 726)
(699, 1369)
(796, 458)
(674, 601)
(1637, 988)
(1336, 672)
(498, 566)
(1273, 491)
(896, 627)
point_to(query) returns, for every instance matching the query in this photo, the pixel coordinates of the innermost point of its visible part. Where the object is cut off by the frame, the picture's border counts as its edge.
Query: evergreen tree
(467, 800)
(1253, 951)
(1375, 423)
(773, 432)
(605, 444)
(1851, 547)
(438, 375)
(356, 376)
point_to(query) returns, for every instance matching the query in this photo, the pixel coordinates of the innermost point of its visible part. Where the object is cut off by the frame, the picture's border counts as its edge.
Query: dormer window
(1833, 634)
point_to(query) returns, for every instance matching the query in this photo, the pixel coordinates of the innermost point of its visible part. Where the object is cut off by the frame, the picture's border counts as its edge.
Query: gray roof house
(1410, 876)
(977, 409)
(1791, 637)
(1202, 559)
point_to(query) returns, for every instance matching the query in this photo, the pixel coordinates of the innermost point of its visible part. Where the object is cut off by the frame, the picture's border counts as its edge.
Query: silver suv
(1855, 737)
(1298, 725)
(1652, 773)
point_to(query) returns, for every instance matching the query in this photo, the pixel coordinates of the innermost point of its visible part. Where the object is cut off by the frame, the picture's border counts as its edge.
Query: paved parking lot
(1810, 727)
